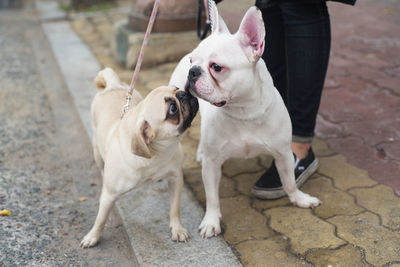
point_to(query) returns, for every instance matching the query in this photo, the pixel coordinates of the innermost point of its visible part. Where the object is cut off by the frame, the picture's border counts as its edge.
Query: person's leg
(275, 50)
(307, 43)
(307, 31)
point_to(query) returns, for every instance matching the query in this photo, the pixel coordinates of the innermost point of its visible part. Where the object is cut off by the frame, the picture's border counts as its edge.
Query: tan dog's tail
(107, 79)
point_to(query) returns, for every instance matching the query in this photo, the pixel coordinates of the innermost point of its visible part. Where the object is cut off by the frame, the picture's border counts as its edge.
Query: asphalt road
(48, 179)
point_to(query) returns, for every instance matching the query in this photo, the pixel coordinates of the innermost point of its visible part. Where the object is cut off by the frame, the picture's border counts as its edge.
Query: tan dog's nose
(181, 95)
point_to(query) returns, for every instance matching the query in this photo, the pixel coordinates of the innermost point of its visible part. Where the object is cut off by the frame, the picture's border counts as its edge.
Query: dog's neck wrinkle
(163, 146)
(159, 147)
(258, 100)
(162, 150)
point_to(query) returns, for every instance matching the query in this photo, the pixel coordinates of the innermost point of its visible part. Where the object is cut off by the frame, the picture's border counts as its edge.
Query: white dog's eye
(216, 67)
(172, 109)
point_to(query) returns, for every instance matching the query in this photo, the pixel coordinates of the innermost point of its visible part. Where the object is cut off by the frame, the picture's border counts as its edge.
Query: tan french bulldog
(143, 146)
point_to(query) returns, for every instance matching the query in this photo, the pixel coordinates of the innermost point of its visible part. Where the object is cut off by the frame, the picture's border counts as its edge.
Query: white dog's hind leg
(285, 166)
(211, 173)
(107, 200)
(175, 185)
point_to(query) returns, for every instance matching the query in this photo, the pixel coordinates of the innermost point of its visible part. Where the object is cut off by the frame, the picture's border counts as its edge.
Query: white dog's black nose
(194, 73)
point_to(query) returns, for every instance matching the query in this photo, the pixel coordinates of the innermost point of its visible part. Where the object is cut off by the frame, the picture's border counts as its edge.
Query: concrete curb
(144, 211)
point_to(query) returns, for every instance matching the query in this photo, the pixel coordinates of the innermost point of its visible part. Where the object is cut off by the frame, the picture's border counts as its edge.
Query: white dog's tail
(108, 79)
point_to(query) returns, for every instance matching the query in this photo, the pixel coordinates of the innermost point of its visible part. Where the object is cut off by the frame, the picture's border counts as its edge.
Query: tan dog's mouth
(189, 106)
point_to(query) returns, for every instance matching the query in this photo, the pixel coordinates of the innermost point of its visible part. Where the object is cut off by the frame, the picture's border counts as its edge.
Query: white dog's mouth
(220, 104)
(191, 88)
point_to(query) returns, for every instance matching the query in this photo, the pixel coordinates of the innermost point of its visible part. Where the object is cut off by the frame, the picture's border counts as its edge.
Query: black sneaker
(269, 185)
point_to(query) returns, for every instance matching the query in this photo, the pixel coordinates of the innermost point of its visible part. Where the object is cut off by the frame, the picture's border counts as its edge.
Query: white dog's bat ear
(251, 34)
(218, 24)
(141, 139)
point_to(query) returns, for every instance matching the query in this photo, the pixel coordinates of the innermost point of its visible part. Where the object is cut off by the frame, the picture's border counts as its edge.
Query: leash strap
(209, 13)
(140, 58)
(201, 5)
(207, 5)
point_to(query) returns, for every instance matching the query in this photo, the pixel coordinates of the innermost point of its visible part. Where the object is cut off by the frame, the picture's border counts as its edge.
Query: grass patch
(64, 7)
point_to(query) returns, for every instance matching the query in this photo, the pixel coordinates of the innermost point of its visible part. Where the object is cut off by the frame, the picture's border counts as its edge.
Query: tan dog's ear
(141, 140)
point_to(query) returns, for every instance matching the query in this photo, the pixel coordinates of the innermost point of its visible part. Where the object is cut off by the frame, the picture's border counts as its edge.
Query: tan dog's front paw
(179, 234)
(89, 240)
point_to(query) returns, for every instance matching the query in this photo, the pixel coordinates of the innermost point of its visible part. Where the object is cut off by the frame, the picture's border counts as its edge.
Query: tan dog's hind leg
(175, 185)
(107, 201)
(285, 166)
(97, 157)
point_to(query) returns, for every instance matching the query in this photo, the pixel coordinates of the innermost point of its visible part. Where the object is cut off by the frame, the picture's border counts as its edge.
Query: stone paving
(360, 115)
(358, 144)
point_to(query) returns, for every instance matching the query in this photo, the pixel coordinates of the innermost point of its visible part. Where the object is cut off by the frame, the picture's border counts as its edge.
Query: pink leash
(140, 58)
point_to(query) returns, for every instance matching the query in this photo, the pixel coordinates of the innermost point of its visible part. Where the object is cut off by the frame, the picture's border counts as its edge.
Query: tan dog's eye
(173, 108)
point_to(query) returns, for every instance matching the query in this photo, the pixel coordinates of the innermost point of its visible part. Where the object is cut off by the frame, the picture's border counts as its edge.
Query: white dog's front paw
(89, 240)
(210, 226)
(304, 200)
(179, 234)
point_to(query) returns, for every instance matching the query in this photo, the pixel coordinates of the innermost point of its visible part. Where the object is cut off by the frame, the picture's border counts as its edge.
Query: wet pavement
(360, 110)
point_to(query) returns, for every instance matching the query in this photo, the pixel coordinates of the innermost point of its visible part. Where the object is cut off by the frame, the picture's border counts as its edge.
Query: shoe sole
(279, 192)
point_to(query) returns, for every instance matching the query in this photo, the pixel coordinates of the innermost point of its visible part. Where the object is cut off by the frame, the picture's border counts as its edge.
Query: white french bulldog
(243, 114)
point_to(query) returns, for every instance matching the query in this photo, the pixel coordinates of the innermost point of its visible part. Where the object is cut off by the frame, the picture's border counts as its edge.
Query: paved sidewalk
(48, 179)
(358, 145)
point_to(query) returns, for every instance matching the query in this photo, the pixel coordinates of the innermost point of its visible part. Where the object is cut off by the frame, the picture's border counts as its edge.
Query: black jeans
(297, 47)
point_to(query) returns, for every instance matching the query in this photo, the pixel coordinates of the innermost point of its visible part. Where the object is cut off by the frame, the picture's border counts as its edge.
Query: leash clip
(127, 105)
(140, 57)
